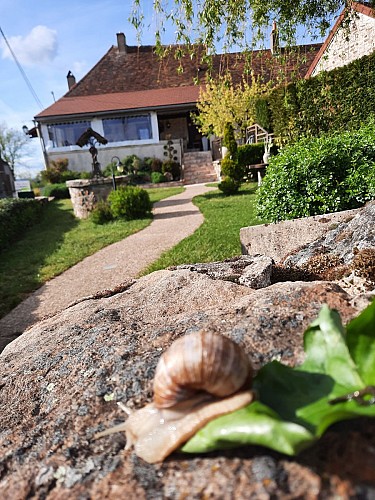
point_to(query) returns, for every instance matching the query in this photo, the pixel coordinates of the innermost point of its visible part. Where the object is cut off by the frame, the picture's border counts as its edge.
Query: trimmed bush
(229, 141)
(16, 215)
(102, 213)
(231, 168)
(320, 175)
(130, 202)
(157, 177)
(229, 186)
(58, 191)
(250, 154)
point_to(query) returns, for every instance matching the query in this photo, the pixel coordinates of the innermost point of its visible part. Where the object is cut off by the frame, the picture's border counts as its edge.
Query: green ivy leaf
(294, 407)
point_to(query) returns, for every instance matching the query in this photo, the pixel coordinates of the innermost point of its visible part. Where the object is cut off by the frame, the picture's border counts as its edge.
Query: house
(6, 180)
(347, 42)
(138, 102)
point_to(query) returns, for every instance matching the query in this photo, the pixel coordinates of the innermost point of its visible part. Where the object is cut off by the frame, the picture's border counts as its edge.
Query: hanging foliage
(235, 22)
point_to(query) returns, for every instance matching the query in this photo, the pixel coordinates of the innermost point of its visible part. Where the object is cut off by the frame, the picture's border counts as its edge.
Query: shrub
(231, 168)
(320, 175)
(173, 168)
(157, 177)
(156, 165)
(229, 186)
(58, 172)
(129, 202)
(16, 215)
(229, 141)
(101, 213)
(250, 154)
(58, 191)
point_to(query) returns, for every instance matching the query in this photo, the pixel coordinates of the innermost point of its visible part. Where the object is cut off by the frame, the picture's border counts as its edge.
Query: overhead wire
(27, 81)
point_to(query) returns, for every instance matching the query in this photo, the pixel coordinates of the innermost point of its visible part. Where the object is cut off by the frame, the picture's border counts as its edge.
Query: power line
(27, 81)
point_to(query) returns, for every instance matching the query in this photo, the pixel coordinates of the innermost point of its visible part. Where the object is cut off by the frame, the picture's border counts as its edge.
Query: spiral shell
(202, 361)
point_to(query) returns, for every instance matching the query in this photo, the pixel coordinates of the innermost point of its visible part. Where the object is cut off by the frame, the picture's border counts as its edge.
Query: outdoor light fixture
(115, 162)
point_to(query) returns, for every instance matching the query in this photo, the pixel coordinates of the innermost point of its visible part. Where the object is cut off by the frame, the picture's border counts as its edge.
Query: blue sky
(50, 39)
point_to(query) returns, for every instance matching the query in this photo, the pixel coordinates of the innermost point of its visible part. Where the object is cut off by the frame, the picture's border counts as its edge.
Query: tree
(12, 144)
(237, 22)
(221, 102)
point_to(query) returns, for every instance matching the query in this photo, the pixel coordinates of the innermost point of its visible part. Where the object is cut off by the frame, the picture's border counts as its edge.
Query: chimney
(274, 39)
(71, 80)
(121, 43)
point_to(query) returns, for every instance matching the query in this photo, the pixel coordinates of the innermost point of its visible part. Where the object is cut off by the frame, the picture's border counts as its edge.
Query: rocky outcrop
(60, 382)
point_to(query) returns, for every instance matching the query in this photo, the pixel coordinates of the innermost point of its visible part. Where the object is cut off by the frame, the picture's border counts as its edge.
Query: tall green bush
(341, 99)
(16, 215)
(130, 202)
(320, 175)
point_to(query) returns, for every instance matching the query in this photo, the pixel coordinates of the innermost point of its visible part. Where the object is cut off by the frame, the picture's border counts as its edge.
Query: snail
(201, 376)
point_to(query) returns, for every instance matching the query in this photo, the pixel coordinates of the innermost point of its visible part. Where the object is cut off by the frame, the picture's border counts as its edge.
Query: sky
(50, 39)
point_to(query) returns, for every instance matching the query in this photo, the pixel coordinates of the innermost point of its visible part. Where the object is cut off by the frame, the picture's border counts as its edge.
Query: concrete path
(175, 218)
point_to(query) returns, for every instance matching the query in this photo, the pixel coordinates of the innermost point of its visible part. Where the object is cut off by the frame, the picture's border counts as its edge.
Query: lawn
(219, 236)
(58, 242)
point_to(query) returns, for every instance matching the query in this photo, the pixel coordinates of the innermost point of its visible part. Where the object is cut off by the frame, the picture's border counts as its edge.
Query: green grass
(58, 242)
(218, 237)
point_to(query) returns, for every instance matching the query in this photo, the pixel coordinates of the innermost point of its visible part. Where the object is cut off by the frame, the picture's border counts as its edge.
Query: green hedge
(58, 191)
(341, 99)
(129, 202)
(250, 154)
(320, 175)
(16, 215)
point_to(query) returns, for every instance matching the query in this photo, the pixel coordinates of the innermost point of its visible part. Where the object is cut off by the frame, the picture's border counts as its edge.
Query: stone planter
(85, 193)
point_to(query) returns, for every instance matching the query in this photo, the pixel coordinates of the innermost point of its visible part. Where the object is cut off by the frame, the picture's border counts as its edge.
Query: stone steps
(198, 168)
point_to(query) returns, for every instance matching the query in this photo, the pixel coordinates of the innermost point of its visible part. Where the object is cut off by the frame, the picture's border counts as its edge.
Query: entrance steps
(198, 168)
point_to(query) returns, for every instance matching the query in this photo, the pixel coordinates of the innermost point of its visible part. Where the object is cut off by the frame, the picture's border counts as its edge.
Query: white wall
(347, 46)
(80, 159)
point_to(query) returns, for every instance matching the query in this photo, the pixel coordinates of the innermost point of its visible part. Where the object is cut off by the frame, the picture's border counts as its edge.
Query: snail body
(200, 377)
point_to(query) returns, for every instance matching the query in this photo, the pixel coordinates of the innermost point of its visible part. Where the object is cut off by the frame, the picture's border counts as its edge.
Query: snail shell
(202, 361)
(199, 378)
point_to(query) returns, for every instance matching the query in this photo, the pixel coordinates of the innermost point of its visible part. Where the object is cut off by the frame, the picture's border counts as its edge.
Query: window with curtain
(66, 134)
(127, 128)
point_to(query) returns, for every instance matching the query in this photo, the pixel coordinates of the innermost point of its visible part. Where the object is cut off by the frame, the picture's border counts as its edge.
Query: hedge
(341, 99)
(320, 175)
(16, 215)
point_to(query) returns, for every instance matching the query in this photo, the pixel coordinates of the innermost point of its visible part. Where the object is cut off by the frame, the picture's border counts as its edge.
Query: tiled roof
(138, 78)
(102, 103)
(361, 8)
(141, 69)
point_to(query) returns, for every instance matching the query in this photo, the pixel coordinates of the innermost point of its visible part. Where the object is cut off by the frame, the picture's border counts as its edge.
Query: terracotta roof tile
(102, 103)
(139, 78)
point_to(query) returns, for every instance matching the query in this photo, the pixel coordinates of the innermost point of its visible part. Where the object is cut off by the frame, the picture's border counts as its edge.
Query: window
(66, 134)
(127, 128)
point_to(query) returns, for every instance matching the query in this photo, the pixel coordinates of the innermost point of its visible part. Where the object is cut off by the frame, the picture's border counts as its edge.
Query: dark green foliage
(58, 172)
(320, 175)
(157, 177)
(229, 141)
(341, 99)
(101, 213)
(15, 217)
(156, 165)
(58, 191)
(173, 168)
(262, 114)
(231, 168)
(229, 186)
(250, 154)
(129, 202)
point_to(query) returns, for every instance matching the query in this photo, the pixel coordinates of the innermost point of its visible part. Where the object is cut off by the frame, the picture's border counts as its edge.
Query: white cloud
(37, 47)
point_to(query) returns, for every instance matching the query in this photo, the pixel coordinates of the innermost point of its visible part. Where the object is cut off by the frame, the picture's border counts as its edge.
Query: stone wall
(279, 239)
(346, 47)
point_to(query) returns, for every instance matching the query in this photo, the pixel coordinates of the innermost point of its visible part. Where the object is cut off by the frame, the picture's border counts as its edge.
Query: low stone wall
(279, 239)
(85, 193)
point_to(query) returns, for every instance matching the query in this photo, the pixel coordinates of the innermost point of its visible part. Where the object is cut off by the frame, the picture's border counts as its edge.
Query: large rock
(61, 379)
